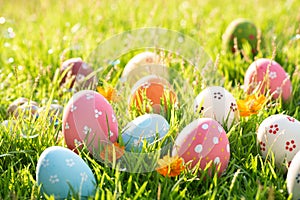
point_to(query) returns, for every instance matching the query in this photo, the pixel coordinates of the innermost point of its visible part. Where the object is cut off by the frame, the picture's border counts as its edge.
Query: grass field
(36, 36)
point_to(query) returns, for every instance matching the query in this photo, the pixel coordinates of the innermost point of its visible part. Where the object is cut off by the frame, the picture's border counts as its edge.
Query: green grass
(47, 32)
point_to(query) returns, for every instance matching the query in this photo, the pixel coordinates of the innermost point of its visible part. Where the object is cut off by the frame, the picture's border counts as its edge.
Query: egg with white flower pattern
(278, 135)
(62, 173)
(90, 119)
(268, 75)
(205, 141)
(149, 127)
(217, 103)
(293, 177)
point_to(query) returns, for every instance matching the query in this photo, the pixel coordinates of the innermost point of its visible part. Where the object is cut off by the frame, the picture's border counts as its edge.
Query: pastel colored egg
(63, 174)
(244, 31)
(205, 141)
(268, 75)
(148, 127)
(278, 135)
(89, 118)
(79, 71)
(22, 105)
(217, 103)
(134, 69)
(293, 177)
(151, 92)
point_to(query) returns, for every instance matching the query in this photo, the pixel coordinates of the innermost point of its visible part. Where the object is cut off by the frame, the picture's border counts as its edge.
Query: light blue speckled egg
(59, 169)
(148, 127)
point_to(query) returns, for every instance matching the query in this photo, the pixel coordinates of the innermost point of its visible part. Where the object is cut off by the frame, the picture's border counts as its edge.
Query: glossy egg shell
(217, 103)
(153, 89)
(293, 177)
(149, 127)
(277, 79)
(59, 168)
(80, 70)
(244, 31)
(278, 134)
(204, 140)
(88, 117)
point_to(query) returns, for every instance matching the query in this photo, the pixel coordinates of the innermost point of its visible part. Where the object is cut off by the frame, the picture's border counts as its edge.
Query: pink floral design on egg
(204, 140)
(278, 81)
(88, 117)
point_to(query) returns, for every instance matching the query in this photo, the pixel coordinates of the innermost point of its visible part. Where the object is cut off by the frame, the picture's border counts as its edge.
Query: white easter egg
(217, 103)
(279, 134)
(60, 172)
(293, 177)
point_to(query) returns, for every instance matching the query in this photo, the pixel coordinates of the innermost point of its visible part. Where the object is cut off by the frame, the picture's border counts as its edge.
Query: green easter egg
(244, 31)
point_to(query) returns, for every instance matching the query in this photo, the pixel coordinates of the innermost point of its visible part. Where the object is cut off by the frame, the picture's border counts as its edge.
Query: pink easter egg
(205, 141)
(89, 118)
(81, 70)
(269, 75)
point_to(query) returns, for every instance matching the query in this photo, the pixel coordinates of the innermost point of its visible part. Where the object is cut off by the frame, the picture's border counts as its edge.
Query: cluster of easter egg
(277, 135)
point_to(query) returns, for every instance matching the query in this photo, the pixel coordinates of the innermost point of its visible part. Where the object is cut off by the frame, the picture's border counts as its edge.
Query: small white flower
(113, 118)
(77, 142)
(73, 108)
(84, 66)
(53, 179)
(97, 113)
(67, 126)
(70, 162)
(278, 90)
(45, 162)
(80, 77)
(86, 130)
(89, 96)
(84, 176)
(272, 75)
(111, 134)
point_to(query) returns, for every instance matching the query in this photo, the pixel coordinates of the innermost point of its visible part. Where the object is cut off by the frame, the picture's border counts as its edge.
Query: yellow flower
(108, 92)
(170, 166)
(251, 105)
(110, 149)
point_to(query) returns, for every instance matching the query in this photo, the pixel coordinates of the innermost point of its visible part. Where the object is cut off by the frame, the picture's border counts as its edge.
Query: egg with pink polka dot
(205, 141)
(268, 75)
(89, 118)
(279, 135)
(217, 103)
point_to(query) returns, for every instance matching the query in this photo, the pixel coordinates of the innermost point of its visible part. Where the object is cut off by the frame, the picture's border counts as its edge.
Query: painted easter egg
(89, 118)
(293, 177)
(22, 106)
(62, 173)
(244, 31)
(205, 141)
(278, 134)
(135, 68)
(79, 71)
(150, 93)
(217, 103)
(149, 127)
(268, 75)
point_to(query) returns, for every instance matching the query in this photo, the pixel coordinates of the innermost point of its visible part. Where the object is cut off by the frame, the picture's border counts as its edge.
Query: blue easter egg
(148, 127)
(62, 173)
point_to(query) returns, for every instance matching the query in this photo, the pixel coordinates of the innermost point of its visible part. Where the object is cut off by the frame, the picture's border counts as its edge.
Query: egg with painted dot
(152, 94)
(149, 128)
(278, 135)
(217, 103)
(268, 76)
(293, 177)
(63, 174)
(205, 141)
(244, 32)
(135, 68)
(77, 73)
(90, 119)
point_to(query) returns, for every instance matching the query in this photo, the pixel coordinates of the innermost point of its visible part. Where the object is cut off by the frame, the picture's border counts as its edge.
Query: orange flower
(170, 166)
(251, 105)
(112, 150)
(108, 92)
